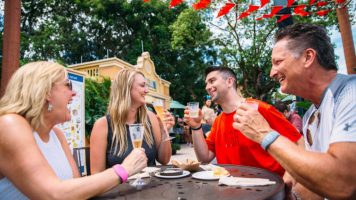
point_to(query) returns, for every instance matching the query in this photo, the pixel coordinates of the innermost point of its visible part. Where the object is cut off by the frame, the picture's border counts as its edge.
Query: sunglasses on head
(69, 84)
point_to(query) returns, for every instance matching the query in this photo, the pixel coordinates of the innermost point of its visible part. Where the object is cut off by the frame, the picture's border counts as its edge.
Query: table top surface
(186, 188)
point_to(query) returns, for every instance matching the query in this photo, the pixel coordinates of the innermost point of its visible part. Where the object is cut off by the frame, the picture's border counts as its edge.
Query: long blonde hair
(118, 109)
(28, 88)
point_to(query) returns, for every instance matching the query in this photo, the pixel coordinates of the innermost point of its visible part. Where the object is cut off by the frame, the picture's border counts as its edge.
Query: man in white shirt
(303, 62)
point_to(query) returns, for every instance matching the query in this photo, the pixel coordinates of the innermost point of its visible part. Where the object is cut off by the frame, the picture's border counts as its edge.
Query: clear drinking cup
(193, 109)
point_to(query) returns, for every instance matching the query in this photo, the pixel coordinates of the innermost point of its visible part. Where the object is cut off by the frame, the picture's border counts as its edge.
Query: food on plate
(220, 171)
(188, 164)
(171, 172)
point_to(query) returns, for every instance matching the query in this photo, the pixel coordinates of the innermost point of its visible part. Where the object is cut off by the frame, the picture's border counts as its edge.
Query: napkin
(145, 173)
(237, 181)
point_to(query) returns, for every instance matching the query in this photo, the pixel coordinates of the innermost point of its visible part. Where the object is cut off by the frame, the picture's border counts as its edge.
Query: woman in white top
(35, 100)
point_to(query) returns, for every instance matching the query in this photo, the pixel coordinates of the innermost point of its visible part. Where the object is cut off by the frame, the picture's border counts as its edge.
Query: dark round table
(188, 188)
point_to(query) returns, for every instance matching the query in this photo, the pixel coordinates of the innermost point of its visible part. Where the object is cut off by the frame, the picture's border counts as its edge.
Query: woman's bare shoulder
(13, 123)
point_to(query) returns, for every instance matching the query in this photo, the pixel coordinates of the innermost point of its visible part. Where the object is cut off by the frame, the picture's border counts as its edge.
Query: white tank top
(55, 156)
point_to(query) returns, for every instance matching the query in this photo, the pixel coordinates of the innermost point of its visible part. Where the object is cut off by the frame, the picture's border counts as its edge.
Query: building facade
(158, 87)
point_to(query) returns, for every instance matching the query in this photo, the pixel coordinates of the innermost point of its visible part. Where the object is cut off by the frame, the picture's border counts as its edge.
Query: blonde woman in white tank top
(36, 162)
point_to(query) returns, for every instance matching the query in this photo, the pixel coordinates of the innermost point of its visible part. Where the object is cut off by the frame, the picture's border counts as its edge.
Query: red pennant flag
(264, 2)
(299, 10)
(290, 3)
(175, 3)
(202, 4)
(145, 1)
(275, 10)
(267, 16)
(252, 8)
(225, 9)
(321, 3)
(283, 17)
(243, 15)
(340, 1)
(259, 18)
(322, 12)
(311, 2)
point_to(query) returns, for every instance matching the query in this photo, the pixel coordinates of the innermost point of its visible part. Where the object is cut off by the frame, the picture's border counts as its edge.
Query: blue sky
(336, 39)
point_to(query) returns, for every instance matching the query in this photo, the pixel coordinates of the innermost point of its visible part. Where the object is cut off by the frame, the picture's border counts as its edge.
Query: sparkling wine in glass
(136, 134)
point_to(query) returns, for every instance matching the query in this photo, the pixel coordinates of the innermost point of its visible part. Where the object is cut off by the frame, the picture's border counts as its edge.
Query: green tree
(85, 30)
(245, 45)
(96, 101)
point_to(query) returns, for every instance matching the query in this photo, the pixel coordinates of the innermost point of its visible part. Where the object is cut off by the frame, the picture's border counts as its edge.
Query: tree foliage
(245, 45)
(85, 30)
(96, 101)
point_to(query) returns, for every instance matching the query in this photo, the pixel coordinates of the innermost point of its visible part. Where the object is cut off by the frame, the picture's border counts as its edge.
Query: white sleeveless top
(55, 156)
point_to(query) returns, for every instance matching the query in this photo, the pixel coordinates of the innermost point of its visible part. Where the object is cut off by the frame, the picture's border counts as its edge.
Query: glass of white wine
(159, 108)
(136, 134)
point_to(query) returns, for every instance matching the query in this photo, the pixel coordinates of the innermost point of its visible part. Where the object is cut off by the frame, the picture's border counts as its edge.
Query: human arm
(98, 145)
(67, 152)
(328, 174)
(33, 176)
(200, 147)
(163, 144)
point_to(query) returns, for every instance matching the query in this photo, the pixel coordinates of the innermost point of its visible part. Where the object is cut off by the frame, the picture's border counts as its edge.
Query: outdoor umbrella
(176, 105)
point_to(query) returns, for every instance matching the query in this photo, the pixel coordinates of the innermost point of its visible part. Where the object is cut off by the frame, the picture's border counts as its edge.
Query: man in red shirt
(227, 144)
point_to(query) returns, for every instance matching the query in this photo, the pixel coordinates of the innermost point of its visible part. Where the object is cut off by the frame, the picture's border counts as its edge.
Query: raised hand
(135, 161)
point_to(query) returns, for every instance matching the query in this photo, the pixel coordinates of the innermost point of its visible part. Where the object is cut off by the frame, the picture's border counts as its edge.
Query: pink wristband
(121, 172)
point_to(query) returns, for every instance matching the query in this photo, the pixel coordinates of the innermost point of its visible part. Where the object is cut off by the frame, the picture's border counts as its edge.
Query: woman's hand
(135, 161)
(168, 119)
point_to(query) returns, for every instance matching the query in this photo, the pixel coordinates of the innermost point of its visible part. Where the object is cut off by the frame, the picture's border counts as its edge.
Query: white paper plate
(205, 175)
(185, 173)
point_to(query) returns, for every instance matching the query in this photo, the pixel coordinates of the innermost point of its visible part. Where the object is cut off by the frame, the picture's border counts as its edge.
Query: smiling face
(287, 68)
(216, 86)
(139, 90)
(60, 96)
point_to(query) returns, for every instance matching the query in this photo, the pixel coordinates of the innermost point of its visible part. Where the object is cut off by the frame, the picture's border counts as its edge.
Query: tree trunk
(347, 41)
(11, 41)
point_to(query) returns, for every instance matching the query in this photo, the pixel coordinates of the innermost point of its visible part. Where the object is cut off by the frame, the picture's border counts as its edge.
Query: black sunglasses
(69, 84)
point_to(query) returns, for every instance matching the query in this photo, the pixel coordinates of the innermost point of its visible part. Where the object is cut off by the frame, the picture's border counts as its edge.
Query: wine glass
(159, 108)
(136, 134)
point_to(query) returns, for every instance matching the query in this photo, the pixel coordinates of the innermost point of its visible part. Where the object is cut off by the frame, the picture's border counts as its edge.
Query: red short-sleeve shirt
(232, 147)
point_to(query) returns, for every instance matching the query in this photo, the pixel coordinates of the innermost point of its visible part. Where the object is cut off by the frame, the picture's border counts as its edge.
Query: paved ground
(186, 151)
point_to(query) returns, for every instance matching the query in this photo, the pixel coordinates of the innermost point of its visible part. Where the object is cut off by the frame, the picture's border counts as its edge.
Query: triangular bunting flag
(311, 2)
(202, 4)
(321, 3)
(225, 9)
(146, 1)
(264, 2)
(283, 17)
(252, 8)
(322, 12)
(299, 10)
(175, 3)
(290, 3)
(243, 15)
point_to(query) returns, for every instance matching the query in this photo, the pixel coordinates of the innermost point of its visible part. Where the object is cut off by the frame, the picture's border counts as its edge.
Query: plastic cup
(193, 109)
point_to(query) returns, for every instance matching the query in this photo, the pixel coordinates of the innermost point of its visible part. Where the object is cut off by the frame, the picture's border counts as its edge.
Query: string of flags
(322, 8)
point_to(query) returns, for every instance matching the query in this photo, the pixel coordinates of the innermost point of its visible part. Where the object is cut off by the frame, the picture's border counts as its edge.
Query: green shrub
(96, 101)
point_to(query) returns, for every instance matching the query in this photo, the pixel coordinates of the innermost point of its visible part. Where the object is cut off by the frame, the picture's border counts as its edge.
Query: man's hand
(192, 122)
(251, 123)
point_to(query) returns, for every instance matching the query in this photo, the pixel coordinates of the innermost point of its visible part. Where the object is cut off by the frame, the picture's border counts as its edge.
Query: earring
(50, 107)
